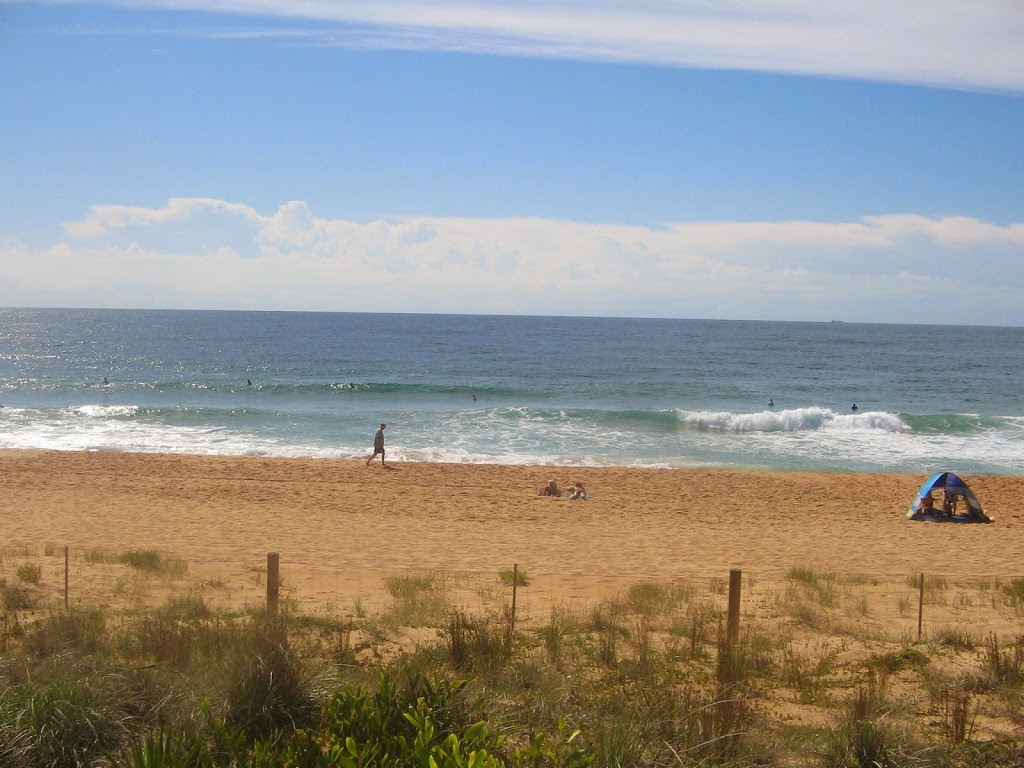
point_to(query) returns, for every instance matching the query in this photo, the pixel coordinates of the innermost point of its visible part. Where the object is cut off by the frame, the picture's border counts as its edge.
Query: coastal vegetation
(164, 677)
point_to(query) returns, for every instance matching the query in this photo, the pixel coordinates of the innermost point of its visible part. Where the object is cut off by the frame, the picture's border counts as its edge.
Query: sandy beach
(639, 524)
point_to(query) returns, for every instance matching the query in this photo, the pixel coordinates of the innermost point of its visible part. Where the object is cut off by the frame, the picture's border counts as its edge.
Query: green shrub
(476, 642)
(160, 640)
(82, 631)
(1014, 593)
(862, 739)
(69, 720)
(958, 716)
(648, 598)
(517, 578)
(17, 597)
(269, 689)
(186, 608)
(802, 575)
(418, 600)
(868, 737)
(897, 660)
(385, 721)
(954, 637)
(1004, 668)
(29, 573)
(554, 636)
(166, 749)
(150, 561)
(805, 671)
(146, 560)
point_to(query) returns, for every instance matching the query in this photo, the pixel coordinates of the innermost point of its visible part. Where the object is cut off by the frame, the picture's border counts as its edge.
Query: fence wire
(891, 606)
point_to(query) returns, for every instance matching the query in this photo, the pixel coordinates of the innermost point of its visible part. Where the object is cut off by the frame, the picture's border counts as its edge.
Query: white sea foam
(793, 420)
(867, 422)
(104, 411)
(113, 428)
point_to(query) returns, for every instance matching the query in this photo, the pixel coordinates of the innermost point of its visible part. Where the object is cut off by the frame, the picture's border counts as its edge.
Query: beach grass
(618, 685)
(165, 673)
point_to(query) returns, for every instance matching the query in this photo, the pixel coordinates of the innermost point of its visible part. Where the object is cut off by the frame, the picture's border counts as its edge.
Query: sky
(855, 160)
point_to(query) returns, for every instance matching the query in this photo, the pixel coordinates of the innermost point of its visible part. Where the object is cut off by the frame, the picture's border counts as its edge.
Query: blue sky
(780, 160)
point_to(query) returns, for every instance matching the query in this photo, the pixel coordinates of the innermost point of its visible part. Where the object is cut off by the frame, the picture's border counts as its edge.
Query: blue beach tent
(957, 503)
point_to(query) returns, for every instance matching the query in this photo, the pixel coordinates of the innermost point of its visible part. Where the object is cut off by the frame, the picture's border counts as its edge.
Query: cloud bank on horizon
(208, 244)
(904, 268)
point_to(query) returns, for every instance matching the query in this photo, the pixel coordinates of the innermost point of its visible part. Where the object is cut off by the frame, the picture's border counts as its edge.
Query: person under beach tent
(958, 502)
(950, 499)
(927, 505)
(551, 489)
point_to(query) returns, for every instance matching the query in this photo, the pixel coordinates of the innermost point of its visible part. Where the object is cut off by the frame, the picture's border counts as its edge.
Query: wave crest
(812, 418)
(105, 411)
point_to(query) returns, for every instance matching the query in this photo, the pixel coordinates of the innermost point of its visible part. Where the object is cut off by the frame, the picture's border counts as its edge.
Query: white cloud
(948, 231)
(188, 225)
(103, 219)
(893, 268)
(974, 44)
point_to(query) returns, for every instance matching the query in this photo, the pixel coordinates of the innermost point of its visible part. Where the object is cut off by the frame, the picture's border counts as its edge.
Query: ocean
(516, 390)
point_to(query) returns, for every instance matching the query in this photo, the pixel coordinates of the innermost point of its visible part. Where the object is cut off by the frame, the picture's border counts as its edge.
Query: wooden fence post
(273, 581)
(733, 629)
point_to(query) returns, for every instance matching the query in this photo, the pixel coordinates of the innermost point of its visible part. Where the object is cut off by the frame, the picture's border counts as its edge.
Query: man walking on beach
(378, 446)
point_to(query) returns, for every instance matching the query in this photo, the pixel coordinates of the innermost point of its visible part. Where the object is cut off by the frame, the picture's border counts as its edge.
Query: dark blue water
(516, 389)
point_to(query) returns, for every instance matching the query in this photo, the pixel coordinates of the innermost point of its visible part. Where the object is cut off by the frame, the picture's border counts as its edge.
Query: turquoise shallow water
(599, 391)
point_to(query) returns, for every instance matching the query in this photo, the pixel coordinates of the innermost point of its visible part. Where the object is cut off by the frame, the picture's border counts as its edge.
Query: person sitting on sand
(927, 504)
(551, 489)
(578, 492)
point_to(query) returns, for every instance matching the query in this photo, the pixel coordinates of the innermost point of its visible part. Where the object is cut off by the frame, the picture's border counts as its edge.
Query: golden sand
(639, 524)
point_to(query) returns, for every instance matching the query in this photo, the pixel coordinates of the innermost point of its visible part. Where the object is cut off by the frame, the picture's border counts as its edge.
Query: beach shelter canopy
(945, 497)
